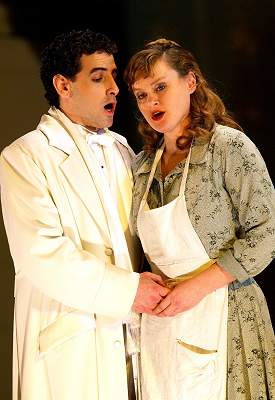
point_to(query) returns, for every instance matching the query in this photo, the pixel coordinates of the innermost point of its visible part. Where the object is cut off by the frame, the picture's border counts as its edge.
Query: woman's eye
(140, 96)
(160, 87)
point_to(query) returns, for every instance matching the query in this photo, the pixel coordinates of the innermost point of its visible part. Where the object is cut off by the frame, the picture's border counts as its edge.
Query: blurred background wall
(233, 40)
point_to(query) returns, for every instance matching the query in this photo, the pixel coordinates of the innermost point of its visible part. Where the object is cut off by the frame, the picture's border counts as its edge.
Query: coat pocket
(64, 328)
(68, 353)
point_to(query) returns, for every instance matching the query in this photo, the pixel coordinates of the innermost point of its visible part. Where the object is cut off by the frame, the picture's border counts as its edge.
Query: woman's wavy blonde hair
(206, 107)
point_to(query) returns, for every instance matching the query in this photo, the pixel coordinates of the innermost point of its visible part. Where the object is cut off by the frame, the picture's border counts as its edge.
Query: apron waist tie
(172, 282)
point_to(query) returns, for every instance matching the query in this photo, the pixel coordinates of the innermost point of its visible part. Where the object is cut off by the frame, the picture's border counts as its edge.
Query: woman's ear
(191, 81)
(62, 85)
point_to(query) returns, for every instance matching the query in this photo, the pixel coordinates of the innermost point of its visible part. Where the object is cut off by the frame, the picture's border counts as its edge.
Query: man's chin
(109, 123)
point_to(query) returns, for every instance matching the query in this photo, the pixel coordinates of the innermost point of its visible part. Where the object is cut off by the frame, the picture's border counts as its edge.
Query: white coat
(70, 298)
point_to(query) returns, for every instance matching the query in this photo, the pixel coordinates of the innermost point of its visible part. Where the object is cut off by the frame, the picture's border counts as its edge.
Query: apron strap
(152, 173)
(157, 158)
(185, 171)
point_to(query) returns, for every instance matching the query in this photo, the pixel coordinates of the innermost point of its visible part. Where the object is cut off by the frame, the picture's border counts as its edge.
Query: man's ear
(62, 85)
(192, 81)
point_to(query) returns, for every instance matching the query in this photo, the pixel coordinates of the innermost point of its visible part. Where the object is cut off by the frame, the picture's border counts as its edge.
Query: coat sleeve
(41, 251)
(249, 186)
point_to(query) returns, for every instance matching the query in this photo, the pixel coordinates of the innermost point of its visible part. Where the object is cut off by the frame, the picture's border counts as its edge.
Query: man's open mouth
(110, 107)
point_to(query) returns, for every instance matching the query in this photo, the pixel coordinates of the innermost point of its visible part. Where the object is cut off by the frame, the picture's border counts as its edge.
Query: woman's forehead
(150, 70)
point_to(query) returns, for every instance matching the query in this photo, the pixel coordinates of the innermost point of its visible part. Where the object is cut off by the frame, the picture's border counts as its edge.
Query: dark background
(234, 42)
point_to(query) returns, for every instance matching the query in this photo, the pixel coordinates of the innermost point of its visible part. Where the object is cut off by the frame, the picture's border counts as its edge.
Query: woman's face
(163, 98)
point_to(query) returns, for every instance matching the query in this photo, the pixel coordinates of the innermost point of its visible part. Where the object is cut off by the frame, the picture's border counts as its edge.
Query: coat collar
(56, 133)
(81, 167)
(53, 128)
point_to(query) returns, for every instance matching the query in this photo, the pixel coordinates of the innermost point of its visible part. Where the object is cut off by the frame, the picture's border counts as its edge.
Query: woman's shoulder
(236, 150)
(231, 139)
(142, 162)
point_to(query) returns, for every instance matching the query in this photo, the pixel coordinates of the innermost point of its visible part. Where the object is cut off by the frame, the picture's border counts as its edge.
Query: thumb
(157, 279)
(164, 291)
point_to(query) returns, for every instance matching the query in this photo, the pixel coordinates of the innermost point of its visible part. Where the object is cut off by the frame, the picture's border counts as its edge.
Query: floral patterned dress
(231, 204)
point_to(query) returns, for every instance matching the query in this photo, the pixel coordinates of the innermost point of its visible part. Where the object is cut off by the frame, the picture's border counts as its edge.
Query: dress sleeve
(249, 186)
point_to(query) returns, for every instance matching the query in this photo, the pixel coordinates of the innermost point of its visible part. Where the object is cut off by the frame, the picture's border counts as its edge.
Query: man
(66, 198)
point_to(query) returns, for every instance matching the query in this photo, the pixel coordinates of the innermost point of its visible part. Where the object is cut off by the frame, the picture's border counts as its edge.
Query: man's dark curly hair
(62, 56)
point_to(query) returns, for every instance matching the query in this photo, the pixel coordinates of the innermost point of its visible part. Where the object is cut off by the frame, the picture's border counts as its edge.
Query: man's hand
(151, 291)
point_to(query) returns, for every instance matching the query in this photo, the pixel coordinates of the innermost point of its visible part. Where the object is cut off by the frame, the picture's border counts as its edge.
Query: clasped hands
(154, 298)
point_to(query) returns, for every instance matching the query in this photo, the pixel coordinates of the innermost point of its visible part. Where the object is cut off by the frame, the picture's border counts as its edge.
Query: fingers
(149, 293)
(166, 302)
(170, 311)
(167, 307)
(163, 290)
(144, 310)
(158, 295)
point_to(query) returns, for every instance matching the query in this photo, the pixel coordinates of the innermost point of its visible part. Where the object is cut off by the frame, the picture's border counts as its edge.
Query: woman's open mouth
(157, 116)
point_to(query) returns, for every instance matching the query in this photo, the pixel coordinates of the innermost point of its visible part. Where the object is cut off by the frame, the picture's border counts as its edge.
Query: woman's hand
(191, 291)
(183, 297)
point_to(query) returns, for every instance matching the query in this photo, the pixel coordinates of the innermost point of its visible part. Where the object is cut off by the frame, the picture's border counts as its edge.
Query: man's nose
(113, 88)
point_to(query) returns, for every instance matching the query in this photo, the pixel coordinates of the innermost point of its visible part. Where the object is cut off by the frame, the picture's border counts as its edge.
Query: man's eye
(97, 79)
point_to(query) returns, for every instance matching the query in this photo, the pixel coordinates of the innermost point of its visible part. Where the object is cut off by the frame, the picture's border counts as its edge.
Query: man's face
(93, 92)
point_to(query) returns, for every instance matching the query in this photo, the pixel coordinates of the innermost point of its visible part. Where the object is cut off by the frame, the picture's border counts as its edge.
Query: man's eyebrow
(114, 70)
(98, 69)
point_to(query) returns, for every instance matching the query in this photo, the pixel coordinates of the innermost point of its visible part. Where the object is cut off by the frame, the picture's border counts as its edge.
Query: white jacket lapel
(80, 167)
(83, 172)
(83, 184)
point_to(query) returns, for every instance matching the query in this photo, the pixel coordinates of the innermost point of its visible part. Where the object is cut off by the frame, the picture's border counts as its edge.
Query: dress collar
(198, 155)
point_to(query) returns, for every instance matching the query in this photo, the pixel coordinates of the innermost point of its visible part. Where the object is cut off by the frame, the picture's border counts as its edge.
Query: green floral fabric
(231, 204)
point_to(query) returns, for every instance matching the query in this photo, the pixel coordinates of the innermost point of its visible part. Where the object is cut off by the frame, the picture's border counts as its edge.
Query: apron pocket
(196, 371)
(195, 349)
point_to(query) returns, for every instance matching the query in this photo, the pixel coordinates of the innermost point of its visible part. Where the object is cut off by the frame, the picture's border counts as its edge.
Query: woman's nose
(153, 99)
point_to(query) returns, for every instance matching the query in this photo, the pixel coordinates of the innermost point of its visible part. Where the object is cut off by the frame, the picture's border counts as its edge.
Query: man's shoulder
(32, 141)
(122, 140)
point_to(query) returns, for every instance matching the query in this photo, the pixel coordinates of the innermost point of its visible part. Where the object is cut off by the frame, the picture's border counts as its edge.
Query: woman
(204, 211)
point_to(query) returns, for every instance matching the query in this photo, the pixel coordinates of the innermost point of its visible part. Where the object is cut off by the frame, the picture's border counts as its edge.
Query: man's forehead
(98, 60)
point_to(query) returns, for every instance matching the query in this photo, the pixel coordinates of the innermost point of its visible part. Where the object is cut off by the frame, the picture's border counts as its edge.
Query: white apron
(182, 357)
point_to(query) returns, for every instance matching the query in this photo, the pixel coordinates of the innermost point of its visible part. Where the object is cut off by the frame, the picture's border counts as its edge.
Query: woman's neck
(171, 156)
